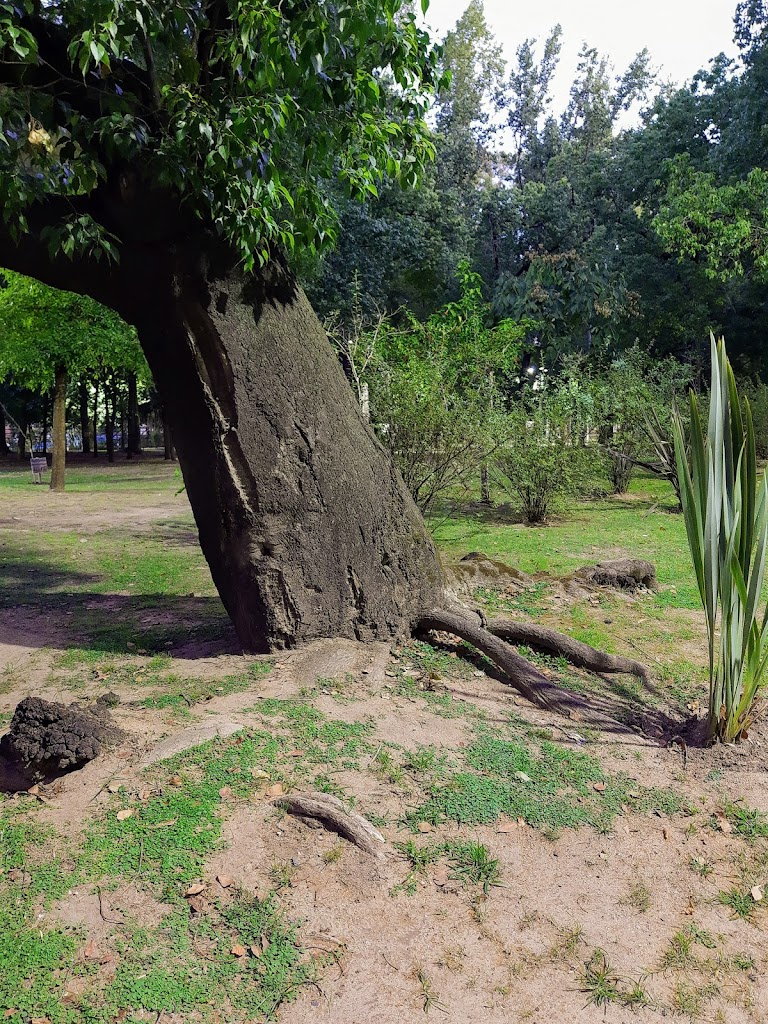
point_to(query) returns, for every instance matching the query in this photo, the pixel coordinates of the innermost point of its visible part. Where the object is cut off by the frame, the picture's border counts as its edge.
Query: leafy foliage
(241, 112)
(726, 518)
(42, 328)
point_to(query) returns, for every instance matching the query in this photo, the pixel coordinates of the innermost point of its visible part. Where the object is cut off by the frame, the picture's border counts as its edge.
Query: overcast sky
(681, 35)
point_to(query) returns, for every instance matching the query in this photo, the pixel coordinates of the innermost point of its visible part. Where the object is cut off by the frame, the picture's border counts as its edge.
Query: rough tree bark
(59, 436)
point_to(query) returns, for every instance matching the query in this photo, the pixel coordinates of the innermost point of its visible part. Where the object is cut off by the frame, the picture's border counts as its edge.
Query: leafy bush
(726, 518)
(540, 465)
(438, 437)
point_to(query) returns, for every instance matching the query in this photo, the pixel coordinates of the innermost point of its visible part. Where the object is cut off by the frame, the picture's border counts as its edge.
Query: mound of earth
(478, 570)
(45, 737)
(620, 574)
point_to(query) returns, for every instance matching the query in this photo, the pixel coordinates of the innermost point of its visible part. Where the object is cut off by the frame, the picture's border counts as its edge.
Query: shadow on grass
(50, 606)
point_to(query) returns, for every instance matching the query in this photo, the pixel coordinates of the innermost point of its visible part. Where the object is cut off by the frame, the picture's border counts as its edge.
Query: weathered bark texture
(540, 638)
(59, 439)
(307, 527)
(332, 813)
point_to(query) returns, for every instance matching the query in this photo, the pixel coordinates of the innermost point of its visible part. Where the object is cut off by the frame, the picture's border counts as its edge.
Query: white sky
(681, 35)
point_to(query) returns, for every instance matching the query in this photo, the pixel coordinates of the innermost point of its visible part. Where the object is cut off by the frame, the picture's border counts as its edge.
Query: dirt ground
(519, 952)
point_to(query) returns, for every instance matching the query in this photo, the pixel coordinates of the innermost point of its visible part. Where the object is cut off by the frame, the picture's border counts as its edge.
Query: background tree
(48, 337)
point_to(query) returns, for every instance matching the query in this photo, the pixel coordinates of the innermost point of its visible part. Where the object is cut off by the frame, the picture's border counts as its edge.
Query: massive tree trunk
(84, 420)
(306, 525)
(59, 436)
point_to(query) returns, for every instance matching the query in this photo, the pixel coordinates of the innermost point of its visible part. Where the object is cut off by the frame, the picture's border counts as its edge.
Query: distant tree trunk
(22, 442)
(109, 416)
(134, 427)
(123, 431)
(485, 485)
(59, 439)
(46, 407)
(84, 421)
(4, 449)
(170, 451)
(96, 419)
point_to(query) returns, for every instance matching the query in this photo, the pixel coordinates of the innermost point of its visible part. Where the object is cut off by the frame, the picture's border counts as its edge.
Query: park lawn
(104, 588)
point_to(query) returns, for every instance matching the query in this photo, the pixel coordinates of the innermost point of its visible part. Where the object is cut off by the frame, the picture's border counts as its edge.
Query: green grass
(588, 532)
(469, 860)
(553, 789)
(30, 980)
(163, 845)
(747, 822)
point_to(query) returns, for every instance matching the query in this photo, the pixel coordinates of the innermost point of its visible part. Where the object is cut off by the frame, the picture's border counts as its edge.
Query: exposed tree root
(540, 638)
(334, 815)
(524, 676)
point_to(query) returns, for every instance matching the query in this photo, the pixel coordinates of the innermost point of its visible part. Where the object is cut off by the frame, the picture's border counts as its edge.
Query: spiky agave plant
(726, 518)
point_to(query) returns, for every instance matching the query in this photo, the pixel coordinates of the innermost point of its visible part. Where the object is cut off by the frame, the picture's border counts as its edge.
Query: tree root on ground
(332, 813)
(540, 638)
(524, 676)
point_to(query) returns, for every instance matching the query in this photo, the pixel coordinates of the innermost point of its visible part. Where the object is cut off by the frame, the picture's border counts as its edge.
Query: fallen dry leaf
(224, 881)
(522, 777)
(424, 826)
(226, 792)
(259, 773)
(255, 951)
(10, 1013)
(277, 790)
(725, 825)
(124, 814)
(34, 790)
(238, 950)
(599, 787)
(757, 893)
(90, 951)
(196, 889)
(145, 794)
(175, 780)
(507, 826)
(296, 753)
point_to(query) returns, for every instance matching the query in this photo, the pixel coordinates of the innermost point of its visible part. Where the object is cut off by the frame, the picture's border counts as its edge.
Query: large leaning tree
(162, 158)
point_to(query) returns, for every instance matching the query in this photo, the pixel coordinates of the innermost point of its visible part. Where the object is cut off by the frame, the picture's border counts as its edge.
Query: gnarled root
(524, 676)
(540, 638)
(332, 813)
